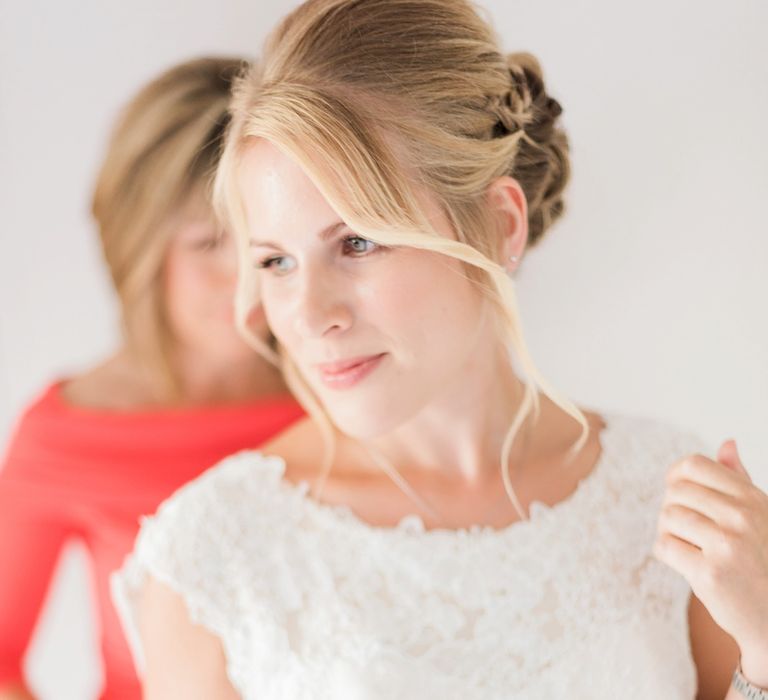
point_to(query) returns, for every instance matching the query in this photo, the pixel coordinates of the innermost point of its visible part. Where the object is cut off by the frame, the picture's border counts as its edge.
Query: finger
(728, 454)
(682, 556)
(706, 472)
(690, 526)
(712, 504)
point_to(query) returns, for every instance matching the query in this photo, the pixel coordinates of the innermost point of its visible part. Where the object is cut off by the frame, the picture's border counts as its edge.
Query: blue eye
(280, 264)
(352, 246)
(357, 245)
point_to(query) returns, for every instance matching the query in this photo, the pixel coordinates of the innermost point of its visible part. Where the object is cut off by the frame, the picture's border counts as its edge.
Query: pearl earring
(513, 258)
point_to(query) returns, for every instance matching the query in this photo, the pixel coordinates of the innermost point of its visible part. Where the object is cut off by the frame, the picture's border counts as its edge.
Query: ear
(508, 200)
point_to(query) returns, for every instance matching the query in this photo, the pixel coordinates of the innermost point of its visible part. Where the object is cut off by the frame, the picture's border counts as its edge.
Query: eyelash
(268, 263)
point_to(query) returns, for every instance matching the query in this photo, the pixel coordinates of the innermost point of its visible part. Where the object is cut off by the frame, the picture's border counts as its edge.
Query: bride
(444, 523)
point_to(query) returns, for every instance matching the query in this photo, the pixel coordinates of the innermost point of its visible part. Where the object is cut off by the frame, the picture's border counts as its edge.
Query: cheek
(192, 296)
(418, 301)
(383, 298)
(431, 301)
(182, 284)
(274, 308)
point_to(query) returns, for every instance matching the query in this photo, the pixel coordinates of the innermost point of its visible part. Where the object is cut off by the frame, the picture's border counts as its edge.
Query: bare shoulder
(715, 652)
(183, 659)
(302, 435)
(301, 446)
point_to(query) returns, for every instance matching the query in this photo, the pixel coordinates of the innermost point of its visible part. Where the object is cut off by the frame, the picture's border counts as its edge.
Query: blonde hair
(161, 156)
(376, 98)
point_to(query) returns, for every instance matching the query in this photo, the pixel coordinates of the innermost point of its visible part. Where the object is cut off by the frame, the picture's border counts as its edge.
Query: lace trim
(273, 573)
(339, 515)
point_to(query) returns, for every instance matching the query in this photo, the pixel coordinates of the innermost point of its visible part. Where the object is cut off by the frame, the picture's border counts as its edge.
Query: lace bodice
(309, 601)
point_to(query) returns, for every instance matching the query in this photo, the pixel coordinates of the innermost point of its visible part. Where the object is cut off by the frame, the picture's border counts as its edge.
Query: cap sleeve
(190, 543)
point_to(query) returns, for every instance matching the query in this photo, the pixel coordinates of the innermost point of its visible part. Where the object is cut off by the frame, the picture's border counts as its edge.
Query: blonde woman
(445, 524)
(98, 449)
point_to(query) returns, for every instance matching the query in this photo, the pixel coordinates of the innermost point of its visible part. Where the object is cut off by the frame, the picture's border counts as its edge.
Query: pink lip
(346, 373)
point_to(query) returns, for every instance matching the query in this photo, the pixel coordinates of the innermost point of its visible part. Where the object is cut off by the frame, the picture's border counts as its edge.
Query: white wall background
(650, 297)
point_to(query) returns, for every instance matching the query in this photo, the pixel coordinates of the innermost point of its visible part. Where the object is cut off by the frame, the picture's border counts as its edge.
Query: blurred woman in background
(97, 450)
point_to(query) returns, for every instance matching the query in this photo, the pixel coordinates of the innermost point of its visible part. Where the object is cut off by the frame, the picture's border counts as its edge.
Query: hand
(713, 530)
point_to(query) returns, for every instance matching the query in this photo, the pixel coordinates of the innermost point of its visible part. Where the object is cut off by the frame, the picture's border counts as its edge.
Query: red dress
(74, 472)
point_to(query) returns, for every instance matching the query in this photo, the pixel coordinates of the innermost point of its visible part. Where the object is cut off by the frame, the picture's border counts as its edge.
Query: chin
(364, 420)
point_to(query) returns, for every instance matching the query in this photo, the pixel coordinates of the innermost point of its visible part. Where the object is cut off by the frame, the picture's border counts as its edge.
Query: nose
(323, 304)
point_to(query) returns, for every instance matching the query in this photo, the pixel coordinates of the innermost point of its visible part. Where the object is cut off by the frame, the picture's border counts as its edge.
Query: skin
(713, 529)
(214, 363)
(333, 297)
(16, 692)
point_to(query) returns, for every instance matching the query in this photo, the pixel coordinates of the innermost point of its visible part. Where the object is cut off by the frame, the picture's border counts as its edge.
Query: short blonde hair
(162, 153)
(376, 98)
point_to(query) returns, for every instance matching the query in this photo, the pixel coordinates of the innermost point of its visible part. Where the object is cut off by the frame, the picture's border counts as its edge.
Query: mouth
(343, 374)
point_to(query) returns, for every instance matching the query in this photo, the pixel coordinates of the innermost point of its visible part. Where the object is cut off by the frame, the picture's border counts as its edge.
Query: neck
(460, 435)
(213, 380)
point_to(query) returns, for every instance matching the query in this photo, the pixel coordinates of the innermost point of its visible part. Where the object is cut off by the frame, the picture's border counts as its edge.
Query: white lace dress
(312, 603)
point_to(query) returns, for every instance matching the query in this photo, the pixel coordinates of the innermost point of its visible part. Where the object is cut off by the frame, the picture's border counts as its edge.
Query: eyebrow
(324, 235)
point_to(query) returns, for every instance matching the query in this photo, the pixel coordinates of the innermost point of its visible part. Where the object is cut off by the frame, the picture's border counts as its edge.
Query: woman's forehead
(278, 195)
(281, 197)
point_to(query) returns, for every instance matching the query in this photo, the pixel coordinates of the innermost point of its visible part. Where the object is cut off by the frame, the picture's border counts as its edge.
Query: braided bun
(541, 164)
